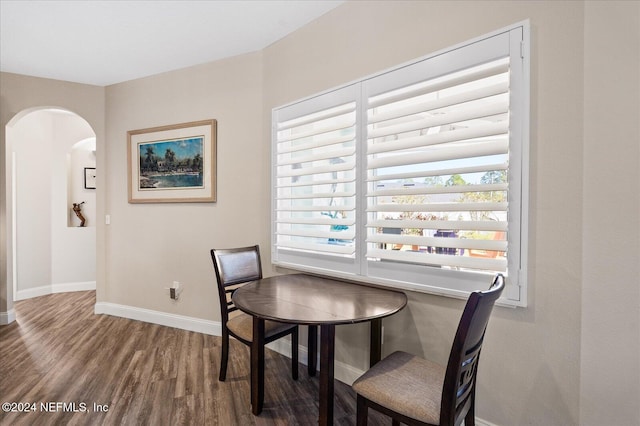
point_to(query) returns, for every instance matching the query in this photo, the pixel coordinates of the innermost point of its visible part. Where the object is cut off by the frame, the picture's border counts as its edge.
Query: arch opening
(48, 149)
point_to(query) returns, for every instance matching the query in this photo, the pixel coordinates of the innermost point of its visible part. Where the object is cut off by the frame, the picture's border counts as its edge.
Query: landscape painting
(173, 164)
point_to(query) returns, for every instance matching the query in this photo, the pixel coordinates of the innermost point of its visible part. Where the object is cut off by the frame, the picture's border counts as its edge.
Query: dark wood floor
(58, 352)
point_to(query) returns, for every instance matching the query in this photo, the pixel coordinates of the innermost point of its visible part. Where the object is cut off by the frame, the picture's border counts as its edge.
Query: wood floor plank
(85, 369)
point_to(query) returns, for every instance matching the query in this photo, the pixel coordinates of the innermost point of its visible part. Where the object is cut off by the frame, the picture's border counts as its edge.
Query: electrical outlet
(175, 290)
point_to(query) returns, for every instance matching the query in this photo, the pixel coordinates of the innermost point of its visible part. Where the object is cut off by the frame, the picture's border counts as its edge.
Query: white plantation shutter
(315, 177)
(437, 155)
(414, 178)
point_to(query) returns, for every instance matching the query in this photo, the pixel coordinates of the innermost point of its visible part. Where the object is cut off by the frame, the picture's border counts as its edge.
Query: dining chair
(235, 267)
(416, 391)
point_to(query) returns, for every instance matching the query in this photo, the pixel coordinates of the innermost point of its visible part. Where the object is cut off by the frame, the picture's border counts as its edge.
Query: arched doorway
(50, 253)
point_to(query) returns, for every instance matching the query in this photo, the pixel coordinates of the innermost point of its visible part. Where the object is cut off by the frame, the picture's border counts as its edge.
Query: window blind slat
(309, 171)
(455, 99)
(342, 235)
(419, 90)
(439, 207)
(479, 131)
(460, 115)
(319, 155)
(288, 183)
(315, 221)
(470, 150)
(305, 208)
(438, 172)
(285, 148)
(289, 136)
(438, 190)
(317, 116)
(492, 245)
(318, 195)
(318, 248)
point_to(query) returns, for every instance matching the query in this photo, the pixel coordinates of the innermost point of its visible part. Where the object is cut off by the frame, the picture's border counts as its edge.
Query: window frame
(419, 278)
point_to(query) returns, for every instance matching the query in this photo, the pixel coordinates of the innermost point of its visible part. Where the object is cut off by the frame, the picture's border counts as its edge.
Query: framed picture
(90, 178)
(173, 164)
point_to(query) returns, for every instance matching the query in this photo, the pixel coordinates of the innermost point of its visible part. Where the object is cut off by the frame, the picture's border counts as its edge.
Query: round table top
(312, 300)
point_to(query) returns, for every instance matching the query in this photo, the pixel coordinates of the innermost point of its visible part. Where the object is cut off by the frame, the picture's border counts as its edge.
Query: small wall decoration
(173, 164)
(77, 208)
(90, 178)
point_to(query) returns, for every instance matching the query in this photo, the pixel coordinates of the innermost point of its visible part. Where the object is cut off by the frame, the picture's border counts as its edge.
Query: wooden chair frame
(459, 388)
(243, 266)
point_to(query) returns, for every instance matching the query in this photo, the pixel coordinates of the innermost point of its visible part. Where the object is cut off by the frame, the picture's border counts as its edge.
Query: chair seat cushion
(242, 326)
(406, 384)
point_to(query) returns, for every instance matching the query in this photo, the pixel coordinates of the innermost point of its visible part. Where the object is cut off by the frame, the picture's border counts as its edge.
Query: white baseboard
(68, 287)
(160, 318)
(30, 293)
(7, 317)
(480, 422)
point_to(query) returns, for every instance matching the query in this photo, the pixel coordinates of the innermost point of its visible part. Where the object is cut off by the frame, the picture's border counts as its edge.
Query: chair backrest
(234, 267)
(459, 387)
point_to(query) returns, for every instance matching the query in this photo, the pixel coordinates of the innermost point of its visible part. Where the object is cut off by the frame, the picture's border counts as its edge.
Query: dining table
(318, 302)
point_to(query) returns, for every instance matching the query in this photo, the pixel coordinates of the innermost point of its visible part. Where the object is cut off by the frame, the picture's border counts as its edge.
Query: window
(415, 177)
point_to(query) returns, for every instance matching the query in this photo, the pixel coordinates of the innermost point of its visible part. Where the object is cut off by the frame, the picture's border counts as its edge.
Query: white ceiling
(107, 42)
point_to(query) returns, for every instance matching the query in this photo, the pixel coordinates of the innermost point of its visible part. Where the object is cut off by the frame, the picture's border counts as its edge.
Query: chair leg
(294, 354)
(224, 356)
(361, 411)
(470, 418)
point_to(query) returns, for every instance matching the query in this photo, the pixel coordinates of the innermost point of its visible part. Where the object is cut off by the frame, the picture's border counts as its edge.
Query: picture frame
(173, 164)
(89, 178)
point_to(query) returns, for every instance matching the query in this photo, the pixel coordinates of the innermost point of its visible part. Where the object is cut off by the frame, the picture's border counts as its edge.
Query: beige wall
(151, 245)
(557, 362)
(610, 347)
